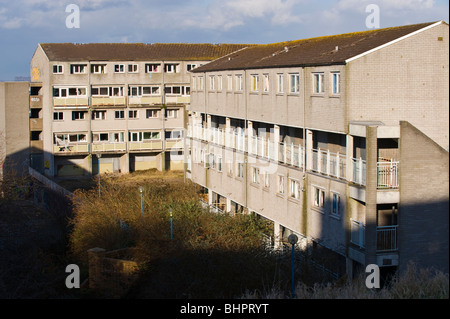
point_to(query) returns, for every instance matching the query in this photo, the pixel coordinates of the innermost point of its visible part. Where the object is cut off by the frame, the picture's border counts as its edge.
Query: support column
(349, 155)
(276, 142)
(308, 149)
(277, 235)
(371, 195)
(250, 137)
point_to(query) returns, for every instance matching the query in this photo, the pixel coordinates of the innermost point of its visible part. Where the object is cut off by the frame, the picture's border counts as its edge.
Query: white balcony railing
(359, 171)
(358, 230)
(387, 238)
(387, 174)
(323, 161)
(109, 147)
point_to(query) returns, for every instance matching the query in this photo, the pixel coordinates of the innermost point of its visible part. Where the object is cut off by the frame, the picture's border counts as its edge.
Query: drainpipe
(163, 117)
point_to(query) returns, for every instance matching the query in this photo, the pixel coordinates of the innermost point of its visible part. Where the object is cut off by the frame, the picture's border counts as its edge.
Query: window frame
(335, 85)
(318, 83)
(294, 86)
(59, 68)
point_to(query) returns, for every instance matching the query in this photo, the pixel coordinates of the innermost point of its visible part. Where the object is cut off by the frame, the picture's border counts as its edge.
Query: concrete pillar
(276, 141)
(277, 235)
(371, 194)
(228, 205)
(349, 155)
(125, 163)
(308, 149)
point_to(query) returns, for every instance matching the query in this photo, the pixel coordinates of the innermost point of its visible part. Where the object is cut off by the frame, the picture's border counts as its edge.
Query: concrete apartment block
(115, 107)
(313, 136)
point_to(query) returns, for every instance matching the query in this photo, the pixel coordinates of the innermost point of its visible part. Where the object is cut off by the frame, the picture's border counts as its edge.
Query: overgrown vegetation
(211, 255)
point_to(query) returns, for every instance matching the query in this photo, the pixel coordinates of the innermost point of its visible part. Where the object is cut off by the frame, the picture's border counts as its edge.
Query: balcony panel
(109, 147)
(36, 124)
(142, 146)
(71, 148)
(36, 101)
(178, 99)
(175, 143)
(36, 146)
(108, 101)
(71, 101)
(145, 100)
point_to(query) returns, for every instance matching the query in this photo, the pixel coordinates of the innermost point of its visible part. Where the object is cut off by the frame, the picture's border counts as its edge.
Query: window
(230, 168)
(266, 179)
(219, 83)
(61, 139)
(78, 68)
(190, 67)
(280, 83)
(170, 68)
(152, 68)
(294, 83)
(58, 69)
(280, 184)
(212, 82)
(99, 115)
(200, 83)
(133, 114)
(229, 83)
(151, 114)
(336, 85)
(255, 175)
(139, 91)
(78, 115)
(171, 114)
(119, 115)
(119, 68)
(240, 170)
(69, 91)
(319, 197)
(318, 83)
(107, 91)
(143, 136)
(174, 135)
(239, 84)
(177, 90)
(58, 116)
(219, 163)
(335, 208)
(98, 68)
(254, 84)
(133, 68)
(108, 137)
(294, 189)
(266, 83)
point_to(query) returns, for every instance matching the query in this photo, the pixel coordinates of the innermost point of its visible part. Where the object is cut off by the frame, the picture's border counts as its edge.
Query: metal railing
(387, 174)
(387, 238)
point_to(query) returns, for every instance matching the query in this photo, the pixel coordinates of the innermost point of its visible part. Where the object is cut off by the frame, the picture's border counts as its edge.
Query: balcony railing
(358, 230)
(144, 100)
(387, 174)
(323, 161)
(109, 147)
(145, 145)
(71, 148)
(70, 101)
(359, 171)
(108, 101)
(387, 238)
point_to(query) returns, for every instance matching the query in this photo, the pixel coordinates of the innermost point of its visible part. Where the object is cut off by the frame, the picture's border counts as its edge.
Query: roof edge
(395, 41)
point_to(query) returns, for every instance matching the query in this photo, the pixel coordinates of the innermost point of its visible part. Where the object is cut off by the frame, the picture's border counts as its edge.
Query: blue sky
(25, 23)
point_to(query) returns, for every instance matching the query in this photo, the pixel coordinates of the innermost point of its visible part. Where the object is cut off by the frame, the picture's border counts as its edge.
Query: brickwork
(424, 200)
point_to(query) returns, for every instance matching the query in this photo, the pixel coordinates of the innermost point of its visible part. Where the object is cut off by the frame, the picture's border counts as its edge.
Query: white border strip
(394, 41)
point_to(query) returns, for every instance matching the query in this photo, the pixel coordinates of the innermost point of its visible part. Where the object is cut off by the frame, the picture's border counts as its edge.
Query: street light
(98, 168)
(171, 224)
(292, 239)
(141, 189)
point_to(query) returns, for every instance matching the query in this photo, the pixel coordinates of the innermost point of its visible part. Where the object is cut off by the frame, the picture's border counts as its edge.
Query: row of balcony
(118, 101)
(104, 147)
(322, 161)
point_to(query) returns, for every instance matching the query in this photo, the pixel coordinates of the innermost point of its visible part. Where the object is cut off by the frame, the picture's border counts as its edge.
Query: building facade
(112, 107)
(342, 140)
(14, 128)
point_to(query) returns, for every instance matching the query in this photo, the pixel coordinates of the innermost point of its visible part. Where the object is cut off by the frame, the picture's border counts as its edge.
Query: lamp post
(98, 168)
(171, 224)
(141, 189)
(293, 240)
